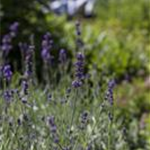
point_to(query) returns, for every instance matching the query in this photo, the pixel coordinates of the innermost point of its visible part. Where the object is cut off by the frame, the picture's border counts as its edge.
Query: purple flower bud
(7, 72)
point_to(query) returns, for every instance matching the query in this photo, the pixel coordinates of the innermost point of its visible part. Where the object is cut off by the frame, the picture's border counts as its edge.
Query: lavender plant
(75, 117)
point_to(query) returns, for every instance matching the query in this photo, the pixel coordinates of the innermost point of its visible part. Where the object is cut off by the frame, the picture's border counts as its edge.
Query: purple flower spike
(14, 29)
(79, 73)
(109, 95)
(78, 33)
(111, 84)
(62, 56)
(7, 39)
(80, 66)
(76, 84)
(6, 44)
(23, 47)
(89, 147)
(25, 87)
(53, 128)
(29, 62)
(84, 119)
(46, 46)
(78, 30)
(7, 72)
(8, 96)
(80, 56)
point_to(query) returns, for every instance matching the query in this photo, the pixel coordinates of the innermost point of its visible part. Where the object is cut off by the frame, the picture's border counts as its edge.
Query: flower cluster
(79, 73)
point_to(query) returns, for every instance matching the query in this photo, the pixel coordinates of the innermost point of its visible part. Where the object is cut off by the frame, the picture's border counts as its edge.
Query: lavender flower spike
(111, 85)
(6, 44)
(53, 129)
(8, 95)
(14, 29)
(46, 46)
(7, 39)
(62, 56)
(79, 73)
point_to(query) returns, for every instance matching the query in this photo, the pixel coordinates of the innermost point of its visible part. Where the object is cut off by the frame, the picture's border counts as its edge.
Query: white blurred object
(71, 7)
(89, 7)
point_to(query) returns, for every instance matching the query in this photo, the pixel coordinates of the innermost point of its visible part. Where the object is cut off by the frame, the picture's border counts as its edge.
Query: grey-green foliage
(25, 125)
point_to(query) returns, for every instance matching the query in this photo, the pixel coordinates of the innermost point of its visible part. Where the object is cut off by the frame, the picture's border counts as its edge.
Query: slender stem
(74, 108)
(110, 129)
(109, 135)
(60, 146)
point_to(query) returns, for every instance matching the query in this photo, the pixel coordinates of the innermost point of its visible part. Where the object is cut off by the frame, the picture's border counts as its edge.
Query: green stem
(74, 108)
